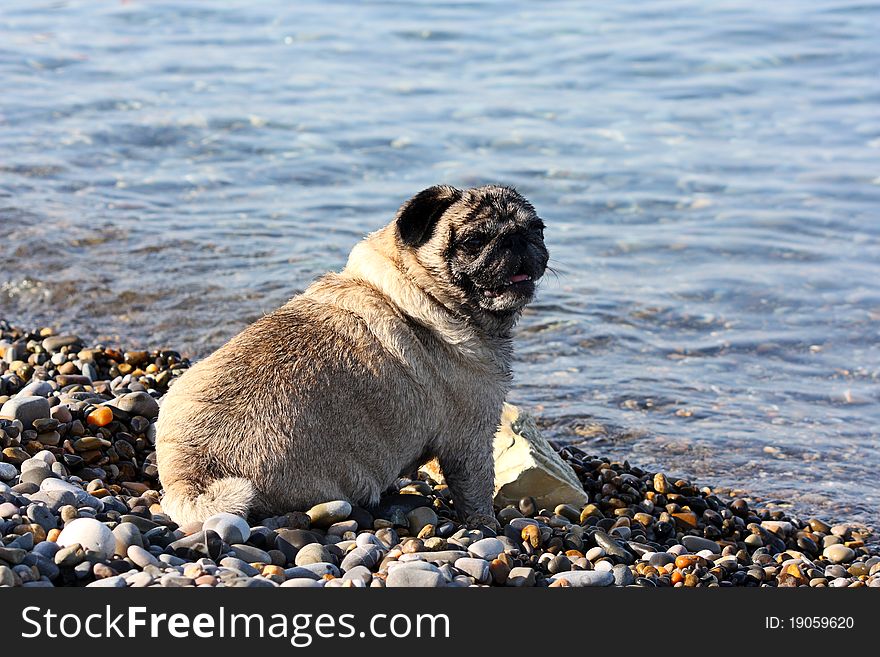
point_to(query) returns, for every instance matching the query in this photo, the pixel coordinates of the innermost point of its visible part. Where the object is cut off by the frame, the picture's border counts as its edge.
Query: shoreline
(80, 506)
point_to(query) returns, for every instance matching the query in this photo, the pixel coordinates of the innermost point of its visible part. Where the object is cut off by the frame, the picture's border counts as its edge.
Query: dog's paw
(481, 520)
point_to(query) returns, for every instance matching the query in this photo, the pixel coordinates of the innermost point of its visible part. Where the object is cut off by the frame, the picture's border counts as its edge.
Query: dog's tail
(185, 504)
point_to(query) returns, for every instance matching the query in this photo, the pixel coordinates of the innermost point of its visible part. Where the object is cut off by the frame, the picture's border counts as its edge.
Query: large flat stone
(526, 465)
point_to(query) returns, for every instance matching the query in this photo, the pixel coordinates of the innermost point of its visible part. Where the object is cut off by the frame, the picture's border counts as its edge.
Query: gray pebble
(476, 568)
(622, 575)
(137, 403)
(231, 528)
(139, 579)
(8, 471)
(487, 548)
(313, 553)
(367, 556)
(302, 583)
(170, 580)
(251, 554)
(412, 577)
(581, 578)
(54, 499)
(141, 557)
(659, 559)
(126, 535)
(253, 583)
(42, 516)
(116, 582)
(25, 410)
(340, 528)
(444, 556)
(361, 573)
(300, 573)
(322, 569)
(70, 556)
(697, 543)
(521, 576)
(239, 565)
(419, 518)
(12, 555)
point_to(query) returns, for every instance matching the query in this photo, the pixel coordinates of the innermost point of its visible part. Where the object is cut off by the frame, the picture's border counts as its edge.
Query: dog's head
(484, 248)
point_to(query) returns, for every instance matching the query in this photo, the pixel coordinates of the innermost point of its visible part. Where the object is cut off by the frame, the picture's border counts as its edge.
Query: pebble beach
(80, 505)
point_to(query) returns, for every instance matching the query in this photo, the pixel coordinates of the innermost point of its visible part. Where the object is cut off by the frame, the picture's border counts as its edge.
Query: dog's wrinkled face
(484, 246)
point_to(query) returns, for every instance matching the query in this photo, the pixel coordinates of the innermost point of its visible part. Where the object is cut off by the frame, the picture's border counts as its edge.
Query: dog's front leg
(469, 471)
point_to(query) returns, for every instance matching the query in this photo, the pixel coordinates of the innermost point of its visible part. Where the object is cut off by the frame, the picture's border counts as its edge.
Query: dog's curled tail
(185, 504)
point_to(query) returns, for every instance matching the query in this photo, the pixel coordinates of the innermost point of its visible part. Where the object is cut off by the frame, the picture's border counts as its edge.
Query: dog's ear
(417, 217)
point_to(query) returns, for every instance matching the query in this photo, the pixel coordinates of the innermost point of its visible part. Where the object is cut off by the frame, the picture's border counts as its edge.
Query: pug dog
(402, 357)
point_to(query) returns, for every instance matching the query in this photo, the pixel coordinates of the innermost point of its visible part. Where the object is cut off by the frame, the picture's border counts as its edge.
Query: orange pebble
(685, 560)
(100, 417)
(532, 534)
(269, 571)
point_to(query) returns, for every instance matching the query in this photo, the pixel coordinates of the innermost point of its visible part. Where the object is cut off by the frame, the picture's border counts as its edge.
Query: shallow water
(709, 174)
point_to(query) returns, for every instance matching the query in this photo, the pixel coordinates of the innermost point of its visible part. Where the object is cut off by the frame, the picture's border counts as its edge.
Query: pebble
(137, 403)
(241, 566)
(595, 553)
(313, 553)
(659, 559)
(361, 573)
(413, 577)
(839, 554)
(36, 389)
(82, 497)
(56, 342)
(70, 556)
(419, 518)
(302, 583)
(622, 575)
(8, 471)
(582, 578)
(139, 580)
(476, 568)
(126, 534)
(328, 513)
(367, 556)
(231, 528)
(697, 543)
(322, 569)
(300, 573)
(117, 582)
(141, 557)
(94, 536)
(251, 554)
(521, 576)
(342, 528)
(12, 556)
(487, 548)
(612, 547)
(25, 410)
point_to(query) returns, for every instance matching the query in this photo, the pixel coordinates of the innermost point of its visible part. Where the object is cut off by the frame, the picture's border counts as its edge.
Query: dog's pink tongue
(519, 278)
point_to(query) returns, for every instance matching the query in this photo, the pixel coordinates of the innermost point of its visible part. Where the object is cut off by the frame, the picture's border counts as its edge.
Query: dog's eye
(537, 227)
(474, 241)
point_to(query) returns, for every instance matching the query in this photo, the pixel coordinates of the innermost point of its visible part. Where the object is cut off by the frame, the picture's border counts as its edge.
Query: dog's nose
(514, 241)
